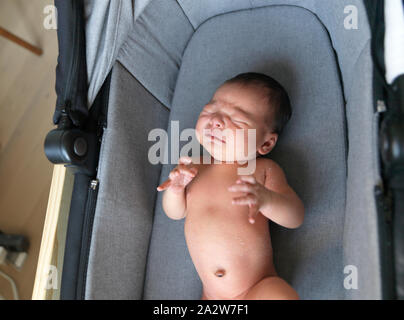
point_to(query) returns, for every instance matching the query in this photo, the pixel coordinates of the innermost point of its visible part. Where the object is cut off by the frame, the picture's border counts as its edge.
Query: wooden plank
(50, 262)
(61, 231)
(21, 42)
(27, 100)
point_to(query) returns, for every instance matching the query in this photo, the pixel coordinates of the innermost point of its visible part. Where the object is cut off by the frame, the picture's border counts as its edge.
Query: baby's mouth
(214, 138)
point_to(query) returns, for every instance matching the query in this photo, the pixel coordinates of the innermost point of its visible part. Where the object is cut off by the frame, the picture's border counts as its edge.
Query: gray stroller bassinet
(150, 63)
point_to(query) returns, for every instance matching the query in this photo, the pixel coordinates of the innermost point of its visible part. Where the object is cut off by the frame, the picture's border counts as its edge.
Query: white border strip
(394, 39)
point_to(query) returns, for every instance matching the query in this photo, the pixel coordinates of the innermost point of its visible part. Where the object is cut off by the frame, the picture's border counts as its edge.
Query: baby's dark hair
(277, 96)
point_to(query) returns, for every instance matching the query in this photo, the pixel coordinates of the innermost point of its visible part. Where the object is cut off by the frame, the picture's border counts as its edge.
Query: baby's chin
(221, 155)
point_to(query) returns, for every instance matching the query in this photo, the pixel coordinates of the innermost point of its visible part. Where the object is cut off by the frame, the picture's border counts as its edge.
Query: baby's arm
(174, 204)
(174, 200)
(284, 206)
(275, 199)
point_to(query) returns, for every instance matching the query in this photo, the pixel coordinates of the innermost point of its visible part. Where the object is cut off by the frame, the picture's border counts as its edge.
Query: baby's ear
(269, 143)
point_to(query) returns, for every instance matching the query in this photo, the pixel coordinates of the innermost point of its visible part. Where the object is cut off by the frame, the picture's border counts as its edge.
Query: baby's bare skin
(229, 253)
(226, 226)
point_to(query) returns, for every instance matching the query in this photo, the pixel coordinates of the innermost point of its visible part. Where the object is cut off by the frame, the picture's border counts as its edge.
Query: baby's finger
(248, 199)
(173, 174)
(252, 213)
(248, 188)
(187, 171)
(165, 185)
(185, 160)
(249, 179)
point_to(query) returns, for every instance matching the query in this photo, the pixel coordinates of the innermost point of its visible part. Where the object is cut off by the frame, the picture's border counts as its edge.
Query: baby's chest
(210, 186)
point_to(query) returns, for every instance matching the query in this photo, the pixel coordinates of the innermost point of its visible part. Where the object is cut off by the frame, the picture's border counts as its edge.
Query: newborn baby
(226, 226)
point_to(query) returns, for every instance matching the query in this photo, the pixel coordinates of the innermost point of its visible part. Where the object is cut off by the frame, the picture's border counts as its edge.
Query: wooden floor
(27, 100)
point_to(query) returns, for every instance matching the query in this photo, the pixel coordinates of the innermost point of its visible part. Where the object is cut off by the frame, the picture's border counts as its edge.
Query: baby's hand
(255, 195)
(180, 176)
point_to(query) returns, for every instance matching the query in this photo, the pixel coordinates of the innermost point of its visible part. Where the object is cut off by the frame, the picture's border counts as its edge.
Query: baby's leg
(271, 288)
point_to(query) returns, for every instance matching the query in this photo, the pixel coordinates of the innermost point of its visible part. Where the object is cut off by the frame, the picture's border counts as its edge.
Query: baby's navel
(220, 273)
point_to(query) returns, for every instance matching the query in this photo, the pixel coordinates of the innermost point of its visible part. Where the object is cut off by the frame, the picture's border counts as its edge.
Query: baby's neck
(212, 160)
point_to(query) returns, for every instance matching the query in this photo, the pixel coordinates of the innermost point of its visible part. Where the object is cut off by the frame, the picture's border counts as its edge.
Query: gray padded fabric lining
(107, 26)
(140, 5)
(126, 198)
(347, 42)
(110, 22)
(311, 151)
(363, 175)
(154, 48)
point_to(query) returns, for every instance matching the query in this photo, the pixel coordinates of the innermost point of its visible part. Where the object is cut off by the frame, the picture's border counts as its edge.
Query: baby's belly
(229, 254)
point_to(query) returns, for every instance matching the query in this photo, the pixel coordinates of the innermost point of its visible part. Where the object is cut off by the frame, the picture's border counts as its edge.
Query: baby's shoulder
(272, 171)
(265, 163)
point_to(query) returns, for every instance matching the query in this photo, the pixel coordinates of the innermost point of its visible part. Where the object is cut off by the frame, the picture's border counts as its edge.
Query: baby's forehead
(249, 98)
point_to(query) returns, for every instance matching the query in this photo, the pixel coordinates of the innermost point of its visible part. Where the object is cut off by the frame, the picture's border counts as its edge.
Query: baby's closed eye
(240, 121)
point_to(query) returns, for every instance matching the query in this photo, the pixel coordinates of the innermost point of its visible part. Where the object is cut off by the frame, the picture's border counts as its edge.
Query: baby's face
(224, 123)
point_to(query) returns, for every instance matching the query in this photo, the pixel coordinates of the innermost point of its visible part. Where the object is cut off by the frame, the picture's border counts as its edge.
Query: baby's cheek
(250, 143)
(240, 143)
(198, 131)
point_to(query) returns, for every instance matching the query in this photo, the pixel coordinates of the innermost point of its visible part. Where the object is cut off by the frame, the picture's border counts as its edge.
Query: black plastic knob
(80, 147)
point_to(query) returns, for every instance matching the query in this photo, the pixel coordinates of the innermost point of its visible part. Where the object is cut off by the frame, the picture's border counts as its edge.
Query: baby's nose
(217, 122)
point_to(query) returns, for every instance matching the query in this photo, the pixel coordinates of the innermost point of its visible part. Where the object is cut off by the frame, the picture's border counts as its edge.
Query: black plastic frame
(82, 208)
(76, 120)
(390, 195)
(71, 72)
